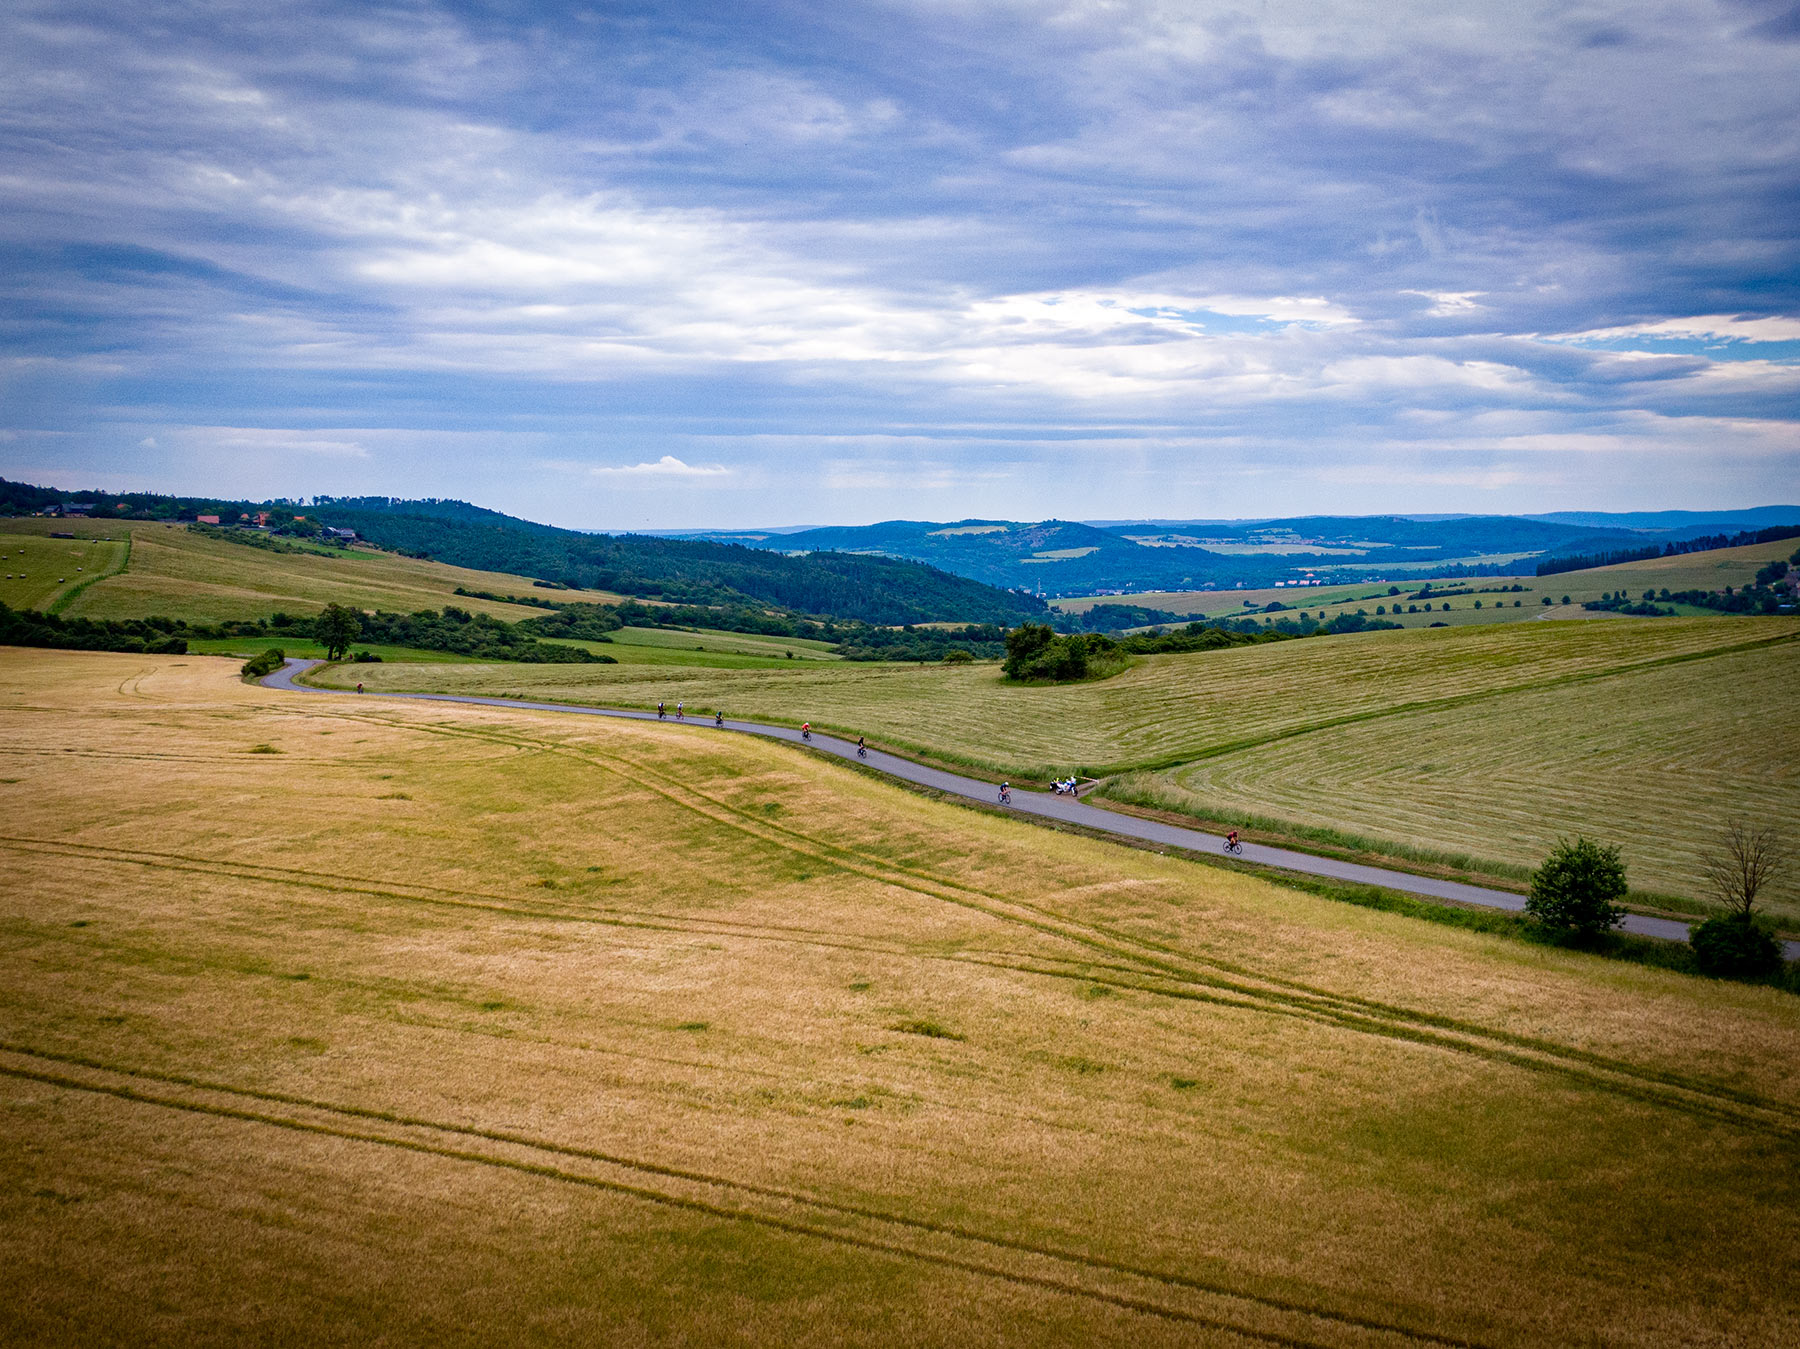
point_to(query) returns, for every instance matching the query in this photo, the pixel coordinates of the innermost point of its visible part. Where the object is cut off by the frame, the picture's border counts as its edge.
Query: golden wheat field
(327, 1020)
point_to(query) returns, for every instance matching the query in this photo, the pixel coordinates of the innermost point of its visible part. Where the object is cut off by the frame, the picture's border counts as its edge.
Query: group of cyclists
(1069, 786)
(662, 714)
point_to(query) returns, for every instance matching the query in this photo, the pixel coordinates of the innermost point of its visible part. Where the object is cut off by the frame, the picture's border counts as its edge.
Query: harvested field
(39, 572)
(328, 1020)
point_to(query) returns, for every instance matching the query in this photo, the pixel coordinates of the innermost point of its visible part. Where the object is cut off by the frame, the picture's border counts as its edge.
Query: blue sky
(629, 266)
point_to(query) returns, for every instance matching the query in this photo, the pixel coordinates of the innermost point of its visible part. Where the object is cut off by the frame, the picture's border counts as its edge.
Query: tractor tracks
(1263, 1317)
(1170, 971)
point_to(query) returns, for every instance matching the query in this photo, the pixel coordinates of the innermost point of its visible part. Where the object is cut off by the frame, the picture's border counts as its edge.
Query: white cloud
(666, 467)
(1716, 327)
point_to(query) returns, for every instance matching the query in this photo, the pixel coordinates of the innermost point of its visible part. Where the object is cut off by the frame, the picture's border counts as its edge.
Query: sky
(628, 266)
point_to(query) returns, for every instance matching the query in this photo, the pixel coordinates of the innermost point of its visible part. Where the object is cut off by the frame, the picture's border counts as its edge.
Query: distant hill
(1679, 524)
(1061, 557)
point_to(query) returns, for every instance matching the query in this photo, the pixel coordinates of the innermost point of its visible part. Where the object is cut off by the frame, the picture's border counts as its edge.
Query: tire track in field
(1649, 1086)
(1198, 978)
(1048, 1267)
(436, 896)
(1715, 1101)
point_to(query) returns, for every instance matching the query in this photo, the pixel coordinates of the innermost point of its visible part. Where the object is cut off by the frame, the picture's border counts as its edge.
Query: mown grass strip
(68, 597)
(1441, 704)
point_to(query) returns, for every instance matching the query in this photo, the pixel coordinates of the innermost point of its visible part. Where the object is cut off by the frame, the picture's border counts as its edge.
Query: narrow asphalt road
(1041, 804)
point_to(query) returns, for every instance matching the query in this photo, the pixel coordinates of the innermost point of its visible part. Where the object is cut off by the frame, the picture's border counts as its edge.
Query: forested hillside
(874, 589)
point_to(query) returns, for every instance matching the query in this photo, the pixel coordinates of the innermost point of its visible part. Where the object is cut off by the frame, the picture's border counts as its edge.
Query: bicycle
(719, 720)
(1005, 795)
(1233, 847)
(862, 749)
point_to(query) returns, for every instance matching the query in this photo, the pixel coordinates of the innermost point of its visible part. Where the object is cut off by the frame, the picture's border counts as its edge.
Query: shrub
(365, 658)
(1732, 947)
(1035, 652)
(267, 663)
(1577, 889)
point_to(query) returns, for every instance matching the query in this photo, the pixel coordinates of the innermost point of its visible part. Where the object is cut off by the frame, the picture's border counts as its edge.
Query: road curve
(1047, 806)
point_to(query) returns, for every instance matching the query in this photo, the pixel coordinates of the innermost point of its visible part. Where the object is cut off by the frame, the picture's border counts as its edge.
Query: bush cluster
(30, 627)
(1034, 652)
(264, 663)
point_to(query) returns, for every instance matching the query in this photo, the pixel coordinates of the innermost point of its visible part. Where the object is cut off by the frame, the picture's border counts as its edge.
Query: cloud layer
(615, 268)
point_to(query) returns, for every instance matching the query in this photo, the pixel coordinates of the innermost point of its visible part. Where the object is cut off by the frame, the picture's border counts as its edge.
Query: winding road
(1066, 809)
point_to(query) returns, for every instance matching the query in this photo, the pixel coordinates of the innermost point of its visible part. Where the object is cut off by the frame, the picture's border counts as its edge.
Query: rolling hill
(870, 589)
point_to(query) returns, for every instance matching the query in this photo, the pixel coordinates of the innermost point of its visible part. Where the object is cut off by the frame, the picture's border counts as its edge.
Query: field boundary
(69, 596)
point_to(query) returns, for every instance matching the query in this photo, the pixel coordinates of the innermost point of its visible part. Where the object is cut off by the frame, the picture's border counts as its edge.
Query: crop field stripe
(1349, 1012)
(725, 1183)
(1441, 704)
(1438, 1021)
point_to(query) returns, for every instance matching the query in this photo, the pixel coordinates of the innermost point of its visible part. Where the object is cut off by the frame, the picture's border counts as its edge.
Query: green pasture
(205, 580)
(703, 649)
(1660, 760)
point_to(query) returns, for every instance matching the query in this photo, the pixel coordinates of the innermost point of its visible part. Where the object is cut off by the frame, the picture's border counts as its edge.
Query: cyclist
(1231, 842)
(1006, 793)
(862, 748)
(719, 718)
(679, 714)
(662, 711)
(359, 688)
(806, 730)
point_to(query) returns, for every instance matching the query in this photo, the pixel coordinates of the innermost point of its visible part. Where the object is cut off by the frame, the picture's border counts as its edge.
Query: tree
(1578, 888)
(336, 628)
(1742, 866)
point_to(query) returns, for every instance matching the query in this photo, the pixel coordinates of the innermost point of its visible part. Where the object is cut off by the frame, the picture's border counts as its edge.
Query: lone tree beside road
(1577, 889)
(1743, 866)
(336, 628)
(1735, 943)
